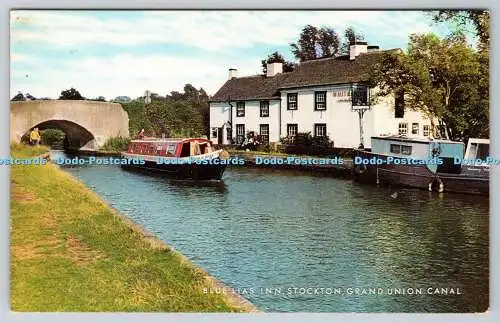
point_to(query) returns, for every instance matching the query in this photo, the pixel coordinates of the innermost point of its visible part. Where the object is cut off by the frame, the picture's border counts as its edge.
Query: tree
(316, 43)
(30, 97)
(177, 114)
(480, 19)
(350, 36)
(443, 78)
(277, 58)
(71, 94)
(18, 97)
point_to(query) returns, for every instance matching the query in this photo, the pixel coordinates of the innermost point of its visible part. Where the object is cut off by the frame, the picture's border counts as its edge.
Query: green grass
(115, 144)
(71, 252)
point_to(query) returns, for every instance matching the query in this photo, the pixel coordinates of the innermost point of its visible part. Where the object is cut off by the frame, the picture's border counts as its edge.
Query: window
(291, 130)
(320, 100)
(320, 130)
(240, 109)
(291, 101)
(264, 108)
(229, 134)
(400, 149)
(214, 132)
(240, 133)
(426, 130)
(403, 128)
(414, 128)
(405, 150)
(264, 133)
(359, 95)
(395, 149)
(399, 105)
(171, 149)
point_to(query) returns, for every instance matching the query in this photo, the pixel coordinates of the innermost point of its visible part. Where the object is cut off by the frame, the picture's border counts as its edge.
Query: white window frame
(426, 130)
(318, 126)
(290, 102)
(320, 100)
(403, 128)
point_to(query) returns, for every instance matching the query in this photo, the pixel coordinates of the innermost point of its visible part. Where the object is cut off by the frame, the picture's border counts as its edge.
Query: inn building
(320, 96)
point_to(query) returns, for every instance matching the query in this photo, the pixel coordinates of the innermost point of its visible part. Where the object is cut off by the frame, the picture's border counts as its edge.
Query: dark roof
(325, 71)
(249, 87)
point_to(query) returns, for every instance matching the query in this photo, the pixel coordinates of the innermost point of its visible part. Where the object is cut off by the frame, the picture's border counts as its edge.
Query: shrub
(305, 144)
(52, 137)
(116, 144)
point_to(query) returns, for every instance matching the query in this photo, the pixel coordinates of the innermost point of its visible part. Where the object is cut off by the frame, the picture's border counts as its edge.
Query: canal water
(295, 242)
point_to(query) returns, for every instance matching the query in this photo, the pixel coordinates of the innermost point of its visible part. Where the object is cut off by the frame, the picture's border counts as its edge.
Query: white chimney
(357, 48)
(274, 68)
(233, 73)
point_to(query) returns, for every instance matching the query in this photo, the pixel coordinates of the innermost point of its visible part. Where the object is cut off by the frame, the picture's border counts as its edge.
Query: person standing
(34, 137)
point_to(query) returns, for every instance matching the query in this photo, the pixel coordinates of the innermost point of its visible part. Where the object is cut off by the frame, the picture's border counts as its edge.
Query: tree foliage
(443, 78)
(276, 57)
(71, 94)
(316, 43)
(323, 42)
(177, 114)
(480, 20)
(19, 97)
(350, 36)
(99, 98)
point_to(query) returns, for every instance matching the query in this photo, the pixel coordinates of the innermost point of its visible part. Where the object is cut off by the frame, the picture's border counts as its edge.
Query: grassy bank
(71, 252)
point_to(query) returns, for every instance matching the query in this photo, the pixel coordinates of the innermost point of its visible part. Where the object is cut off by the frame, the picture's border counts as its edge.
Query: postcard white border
(5, 6)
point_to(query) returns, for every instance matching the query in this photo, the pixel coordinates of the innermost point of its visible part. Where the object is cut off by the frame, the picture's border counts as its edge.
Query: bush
(305, 144)
(116, 144)
(52, 137)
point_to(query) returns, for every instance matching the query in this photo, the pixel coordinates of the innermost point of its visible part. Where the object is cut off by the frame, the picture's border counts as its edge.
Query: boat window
(395, 149)
(195, 148)
(483, 151)
(406, 150)
(185, 149)
(151, 149)
(479, 151)
(171, 149)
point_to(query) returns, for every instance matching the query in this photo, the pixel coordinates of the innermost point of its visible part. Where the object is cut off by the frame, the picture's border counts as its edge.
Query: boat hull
(469, 181)
(181, 171)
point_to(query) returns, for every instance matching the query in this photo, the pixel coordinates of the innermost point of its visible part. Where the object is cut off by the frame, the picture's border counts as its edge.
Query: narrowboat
(179, 158)
(426, 163)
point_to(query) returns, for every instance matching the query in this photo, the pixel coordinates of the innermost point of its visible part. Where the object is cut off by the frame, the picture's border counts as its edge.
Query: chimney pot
(274, 68)
(233, 73)
(356, 48)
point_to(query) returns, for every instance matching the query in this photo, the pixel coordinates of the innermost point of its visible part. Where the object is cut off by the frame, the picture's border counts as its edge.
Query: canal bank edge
(232, 299)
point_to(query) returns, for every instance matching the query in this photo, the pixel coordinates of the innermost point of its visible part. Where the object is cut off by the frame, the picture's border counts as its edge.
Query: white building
(320, 96)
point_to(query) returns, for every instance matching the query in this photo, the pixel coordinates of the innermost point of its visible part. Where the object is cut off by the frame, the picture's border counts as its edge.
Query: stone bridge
(87, 124)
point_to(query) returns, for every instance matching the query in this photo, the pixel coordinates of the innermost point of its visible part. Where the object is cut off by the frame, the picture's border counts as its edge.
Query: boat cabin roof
(169, 140)
(407, 139)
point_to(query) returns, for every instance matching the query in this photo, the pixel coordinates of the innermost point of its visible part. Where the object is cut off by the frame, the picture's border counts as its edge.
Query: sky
(114, 53)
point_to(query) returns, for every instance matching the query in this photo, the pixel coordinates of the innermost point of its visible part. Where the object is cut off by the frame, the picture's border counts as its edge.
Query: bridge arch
(87, 124)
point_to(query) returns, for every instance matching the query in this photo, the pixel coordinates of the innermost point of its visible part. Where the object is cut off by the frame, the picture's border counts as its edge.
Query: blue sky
(113, 53)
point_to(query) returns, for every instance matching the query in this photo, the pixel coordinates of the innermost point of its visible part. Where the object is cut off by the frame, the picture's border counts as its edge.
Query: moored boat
(179, 158)
(426, 163)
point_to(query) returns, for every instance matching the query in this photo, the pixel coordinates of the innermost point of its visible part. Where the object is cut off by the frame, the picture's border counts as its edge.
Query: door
(219, 136)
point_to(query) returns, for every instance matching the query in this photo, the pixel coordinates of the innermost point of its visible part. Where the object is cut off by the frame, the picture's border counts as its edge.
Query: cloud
(123, 74)
(194, 47)
(208, 30)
